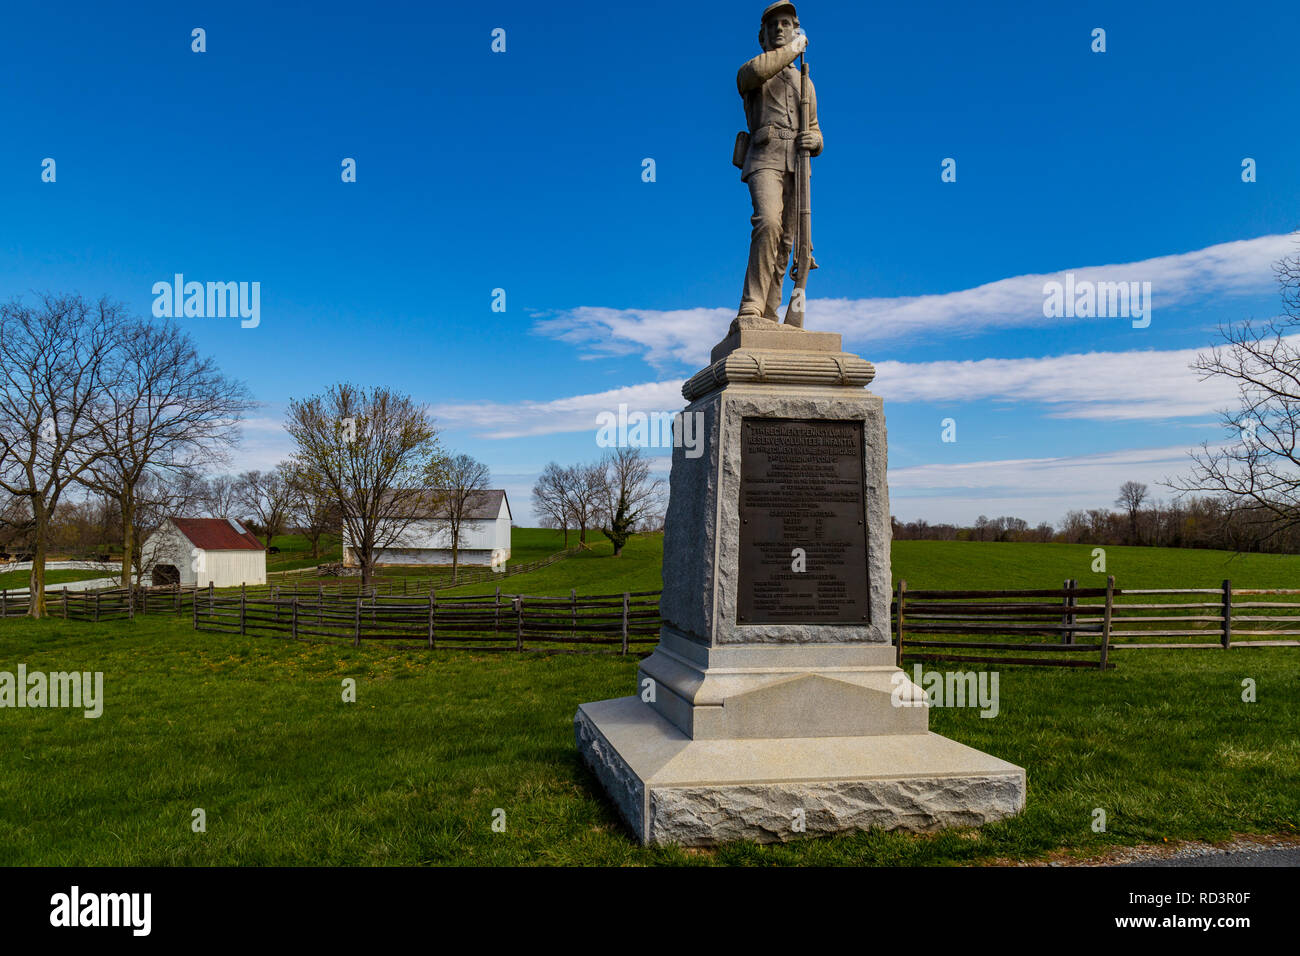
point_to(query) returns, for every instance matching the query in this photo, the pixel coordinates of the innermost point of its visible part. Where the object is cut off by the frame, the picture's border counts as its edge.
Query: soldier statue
(781, 113)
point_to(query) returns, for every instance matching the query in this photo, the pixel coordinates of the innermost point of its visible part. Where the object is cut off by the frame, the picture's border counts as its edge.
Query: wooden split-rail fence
(1081, 626)
(104, 604)
(483, 622)
(1070, 626)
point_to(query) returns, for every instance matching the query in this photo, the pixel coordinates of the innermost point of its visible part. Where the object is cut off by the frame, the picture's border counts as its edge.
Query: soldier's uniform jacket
(772, 112)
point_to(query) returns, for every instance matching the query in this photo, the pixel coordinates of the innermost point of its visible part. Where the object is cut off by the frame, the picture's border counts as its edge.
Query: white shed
(484, 537)
(199, 551)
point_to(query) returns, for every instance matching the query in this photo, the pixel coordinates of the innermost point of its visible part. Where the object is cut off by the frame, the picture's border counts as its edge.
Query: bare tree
(371, 451)
(460, 480)
(629, 495)
(53, 366)
(312, 508)
(267, 496)
(222, 496)
(1258, 468)
(551, 498)
(585, 490)
(169, 411)
(1131, 496)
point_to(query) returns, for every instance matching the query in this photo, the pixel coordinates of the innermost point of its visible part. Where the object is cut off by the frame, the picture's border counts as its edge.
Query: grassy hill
(594, 571)
(982, 564)
(526, 545)
(938, 564)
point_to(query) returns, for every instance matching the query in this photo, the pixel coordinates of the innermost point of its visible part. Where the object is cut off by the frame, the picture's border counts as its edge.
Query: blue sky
(522, 171)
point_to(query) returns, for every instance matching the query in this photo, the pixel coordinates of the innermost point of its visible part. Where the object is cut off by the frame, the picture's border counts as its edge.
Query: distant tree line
(617, 495)
(1192, 522)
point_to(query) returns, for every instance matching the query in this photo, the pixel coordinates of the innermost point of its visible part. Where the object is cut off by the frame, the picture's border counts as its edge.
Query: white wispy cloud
(1107, 386)
(575, 413)
(1111, 386)
(685, 336)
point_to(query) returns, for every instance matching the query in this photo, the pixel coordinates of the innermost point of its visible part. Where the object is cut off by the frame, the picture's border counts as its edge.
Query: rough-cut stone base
(672, 789)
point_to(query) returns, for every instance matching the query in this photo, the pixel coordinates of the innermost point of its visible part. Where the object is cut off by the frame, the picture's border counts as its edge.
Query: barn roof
(217, 534)
(485, 505)
(479, 506)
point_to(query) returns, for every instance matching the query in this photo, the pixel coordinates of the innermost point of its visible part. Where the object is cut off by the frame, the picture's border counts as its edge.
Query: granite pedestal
(772, 706)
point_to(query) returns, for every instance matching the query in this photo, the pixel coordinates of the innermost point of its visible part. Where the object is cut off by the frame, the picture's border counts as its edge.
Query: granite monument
(773, 707)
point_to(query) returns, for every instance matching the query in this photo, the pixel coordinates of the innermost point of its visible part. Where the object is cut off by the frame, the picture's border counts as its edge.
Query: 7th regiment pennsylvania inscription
(802, 489)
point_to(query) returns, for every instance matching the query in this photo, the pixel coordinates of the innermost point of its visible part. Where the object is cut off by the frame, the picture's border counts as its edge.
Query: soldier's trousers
(772, 192)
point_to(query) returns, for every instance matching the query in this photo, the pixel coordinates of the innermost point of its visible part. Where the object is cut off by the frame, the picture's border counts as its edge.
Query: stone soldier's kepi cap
(779, 5)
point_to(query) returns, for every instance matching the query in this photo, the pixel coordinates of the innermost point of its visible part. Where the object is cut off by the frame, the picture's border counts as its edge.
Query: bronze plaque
(803, 533)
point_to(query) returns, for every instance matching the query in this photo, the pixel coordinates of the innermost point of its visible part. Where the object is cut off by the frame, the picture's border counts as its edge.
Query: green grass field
(19, 580)
(944, 564)
(594, 571)
(526, 545)
(982, 564)
(295, 552)
(254, 731)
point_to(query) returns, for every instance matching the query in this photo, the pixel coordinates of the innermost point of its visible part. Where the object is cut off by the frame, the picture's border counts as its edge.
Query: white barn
(199, 551)
(484, 537)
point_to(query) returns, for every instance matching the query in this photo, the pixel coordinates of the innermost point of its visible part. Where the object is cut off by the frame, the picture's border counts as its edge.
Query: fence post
(496, 614)
(243, 605)
(433, 619)
(65, 602)
(898, 620)
(294, 625)
(196, 607)
(356, 634)
(626, 596)
(1227, 614)
(1074, 603)
(573, 600)
(1065, 614)
(97, 597)
(4, 603)
(177, 609)
(1069, 600)
(519, 622)
(1105, 620)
